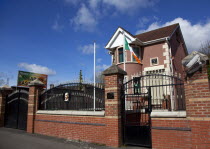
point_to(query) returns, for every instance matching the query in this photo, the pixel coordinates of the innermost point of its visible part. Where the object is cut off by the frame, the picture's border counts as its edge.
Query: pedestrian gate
(143, 94)
(136, 114)
(16, 109)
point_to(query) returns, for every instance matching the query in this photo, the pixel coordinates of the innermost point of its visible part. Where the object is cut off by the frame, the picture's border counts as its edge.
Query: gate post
(113, 82)
(35, 88)
(4, 91)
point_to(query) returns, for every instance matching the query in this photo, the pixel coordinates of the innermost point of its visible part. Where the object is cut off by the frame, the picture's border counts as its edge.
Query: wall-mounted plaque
(110, 95)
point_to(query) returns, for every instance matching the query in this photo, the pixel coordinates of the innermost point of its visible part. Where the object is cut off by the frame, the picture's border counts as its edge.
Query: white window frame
(151, 61)
(118, 59)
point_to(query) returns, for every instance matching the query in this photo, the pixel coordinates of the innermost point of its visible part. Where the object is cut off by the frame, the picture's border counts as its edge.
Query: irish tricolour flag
(127, 47)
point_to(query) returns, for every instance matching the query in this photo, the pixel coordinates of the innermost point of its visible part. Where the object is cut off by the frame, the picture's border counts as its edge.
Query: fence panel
(73, 96)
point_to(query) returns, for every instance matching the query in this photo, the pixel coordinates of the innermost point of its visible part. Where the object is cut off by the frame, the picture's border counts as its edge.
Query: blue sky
(56, 37)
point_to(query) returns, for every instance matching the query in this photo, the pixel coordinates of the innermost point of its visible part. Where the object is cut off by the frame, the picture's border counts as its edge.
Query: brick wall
(97, 129)
(171, 133)
(113, 84)
(192, 131)
(83, 128)
(198, 94)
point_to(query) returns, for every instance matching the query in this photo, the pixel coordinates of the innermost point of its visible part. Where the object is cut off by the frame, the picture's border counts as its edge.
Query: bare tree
(99, 77)
(2, 78)
(205, 48)
(2, 82)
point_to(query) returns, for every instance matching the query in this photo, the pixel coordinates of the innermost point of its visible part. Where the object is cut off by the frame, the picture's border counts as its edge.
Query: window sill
(69, 112)
(168, 114)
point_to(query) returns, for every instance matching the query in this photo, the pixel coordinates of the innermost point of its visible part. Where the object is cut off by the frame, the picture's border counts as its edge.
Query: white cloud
(37, 68)
(74, 2)
(127, 6)
(84, 19)
(87, 49)
(91, 11)
(142, 22)
(101, 67)
(57, 27)
(99, 60)
(194, 34)
(94, 3)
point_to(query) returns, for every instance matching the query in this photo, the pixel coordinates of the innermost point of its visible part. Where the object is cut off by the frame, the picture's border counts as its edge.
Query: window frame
(132, 58)
(118, 55)
(154, 64)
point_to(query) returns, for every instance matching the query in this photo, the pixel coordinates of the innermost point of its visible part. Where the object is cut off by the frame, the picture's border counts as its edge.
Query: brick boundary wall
(79, 128)
(193, 131)
(96, 129)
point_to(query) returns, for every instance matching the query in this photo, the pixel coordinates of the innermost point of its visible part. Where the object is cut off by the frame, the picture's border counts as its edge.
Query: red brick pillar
(35, 88)
(3, 94)
(113, 83)
(197, 94)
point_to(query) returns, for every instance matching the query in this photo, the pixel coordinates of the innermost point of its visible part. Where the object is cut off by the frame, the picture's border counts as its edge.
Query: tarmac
(19, 139)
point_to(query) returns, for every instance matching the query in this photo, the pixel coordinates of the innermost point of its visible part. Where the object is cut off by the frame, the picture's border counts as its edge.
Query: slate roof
(157, 33)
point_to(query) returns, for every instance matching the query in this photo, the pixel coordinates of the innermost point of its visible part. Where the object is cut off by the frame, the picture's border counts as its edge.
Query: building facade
(160, 51)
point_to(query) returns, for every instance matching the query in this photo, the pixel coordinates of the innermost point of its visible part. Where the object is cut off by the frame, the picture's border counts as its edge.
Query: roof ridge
(126, 31)
(158, 29)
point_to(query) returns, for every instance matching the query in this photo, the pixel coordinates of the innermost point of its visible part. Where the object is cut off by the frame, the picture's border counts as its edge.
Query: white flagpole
(94, 69)
(124, 49)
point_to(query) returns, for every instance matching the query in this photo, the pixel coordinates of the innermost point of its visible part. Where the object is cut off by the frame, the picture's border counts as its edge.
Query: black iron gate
(136, 114)
(16, 108)
(143, 94)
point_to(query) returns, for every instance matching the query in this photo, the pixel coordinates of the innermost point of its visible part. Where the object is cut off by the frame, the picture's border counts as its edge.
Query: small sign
(110, 95)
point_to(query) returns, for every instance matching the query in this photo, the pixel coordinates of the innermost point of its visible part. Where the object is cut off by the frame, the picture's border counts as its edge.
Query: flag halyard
(127, 47)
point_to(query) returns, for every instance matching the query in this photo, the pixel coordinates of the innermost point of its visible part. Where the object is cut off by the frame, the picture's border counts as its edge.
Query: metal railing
(73, 96)
(167, 92)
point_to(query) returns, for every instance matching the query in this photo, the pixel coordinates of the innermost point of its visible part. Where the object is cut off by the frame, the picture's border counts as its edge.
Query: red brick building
(159, 50)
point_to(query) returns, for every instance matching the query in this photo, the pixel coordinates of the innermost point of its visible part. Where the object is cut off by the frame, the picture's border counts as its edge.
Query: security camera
(194, 62)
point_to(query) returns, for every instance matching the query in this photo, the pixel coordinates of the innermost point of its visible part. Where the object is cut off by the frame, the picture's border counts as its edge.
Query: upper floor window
(137, 52)
(121, 55)
(154, 61)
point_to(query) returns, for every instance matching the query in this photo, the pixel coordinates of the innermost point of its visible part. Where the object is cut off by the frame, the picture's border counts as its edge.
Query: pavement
(18, 139)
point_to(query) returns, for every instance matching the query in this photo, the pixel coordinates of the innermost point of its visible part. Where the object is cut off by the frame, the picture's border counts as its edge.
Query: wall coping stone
(70, 112)
(168, 114)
